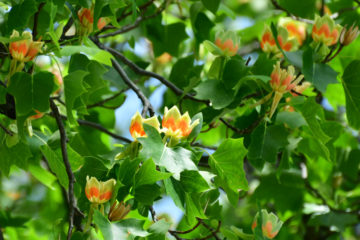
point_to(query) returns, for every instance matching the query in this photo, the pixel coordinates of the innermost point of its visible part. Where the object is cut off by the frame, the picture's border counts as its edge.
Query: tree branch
(102, 102)
(187, 231)
(134, 25)
(143, 72)
(277, 6)
(213, 233)
(146, 103)
(102, 129)
(7, 131)
(63, 141)
(36, 19)
(241, 131)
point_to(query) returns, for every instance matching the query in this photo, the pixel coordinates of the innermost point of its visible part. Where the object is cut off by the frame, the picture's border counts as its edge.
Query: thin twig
(322, 10)
(134, 25)
(187, 231)
(63, 141)
(146, 103)
(341, 11)
(102, 102)
(7, 131)
(1, 235)
(241, 131)
(277, 6)
(66, 28)
(203, 146)
(102, 129)
(36, 19)
(143, 72)
(213, 233)
(335, 54)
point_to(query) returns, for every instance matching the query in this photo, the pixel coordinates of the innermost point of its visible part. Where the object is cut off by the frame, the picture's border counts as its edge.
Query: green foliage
(66, 112)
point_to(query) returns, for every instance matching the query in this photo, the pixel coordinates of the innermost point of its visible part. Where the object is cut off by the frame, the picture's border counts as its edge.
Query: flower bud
(347, 36)
(325, 30)
(37, 115)
(176, 125)
(270, 224)
(118, 211)
(137, 128)
(228, 42)
(97, 191)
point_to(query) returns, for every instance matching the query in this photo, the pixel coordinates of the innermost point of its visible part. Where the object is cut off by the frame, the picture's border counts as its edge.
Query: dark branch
(134, 25)
(7, 131)
(213, 232)
(102, 129)
(66, 28)
(36, 19)
(277, 6)
(1, 235)
(341, 11)
(143, 72)
(187, 231)
(241, 131)
(102, 102)
(63, 141)
(203, 146)
(146, 103)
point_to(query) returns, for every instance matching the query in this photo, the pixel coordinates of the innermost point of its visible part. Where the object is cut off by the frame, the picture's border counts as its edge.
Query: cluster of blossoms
(226, 44)
(86, 17)
(98, 192)
(270, 224)
(174, 124)
(291, 35)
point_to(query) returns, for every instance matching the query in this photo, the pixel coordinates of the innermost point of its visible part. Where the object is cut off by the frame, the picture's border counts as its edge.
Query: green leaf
(125, 229)
(3, 92)
(227, 162)
(193, 208)
(146, 194)
(97, 54)
(202, 27)
(18, 155)
(304, 8)
(31, 92)
(73, 89)
(349, 167)
(192, 181)
(338, 221)
(43, 176)
(7, 220)
(183, 70)
(291, 119)
(234, 70)
(147, 174)
(196, 130)
(56, 165)
(351, 84)
(317, 73)
(311, 111)
(256, 146)
(216, 92)
(212, 5)
(175, 160)
(166, 38)
(211, 47)
(20, 14)
(159, 230)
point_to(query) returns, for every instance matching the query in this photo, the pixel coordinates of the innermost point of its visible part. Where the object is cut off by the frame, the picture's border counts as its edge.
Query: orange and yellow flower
(228, 42)
(86, 17)
(99, 192)
(176, 125)
(282, 81)
(137, 128)
(26, 49)
(325, 30)
(294, 28)
(268, 44)
(270, 224)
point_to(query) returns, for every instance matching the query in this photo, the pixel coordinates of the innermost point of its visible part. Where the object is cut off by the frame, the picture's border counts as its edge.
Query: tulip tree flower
(268, 44)
(270, 224)
(325, 30)
(282, 81)
(228, 42)
(118, 211)
(26, 49)
(99, 192)
(137, 128)
(295, 29)
(175, 125)
(86, 17)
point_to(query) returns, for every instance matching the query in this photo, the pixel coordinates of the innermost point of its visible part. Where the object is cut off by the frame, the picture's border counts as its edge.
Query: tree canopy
(248, 126)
